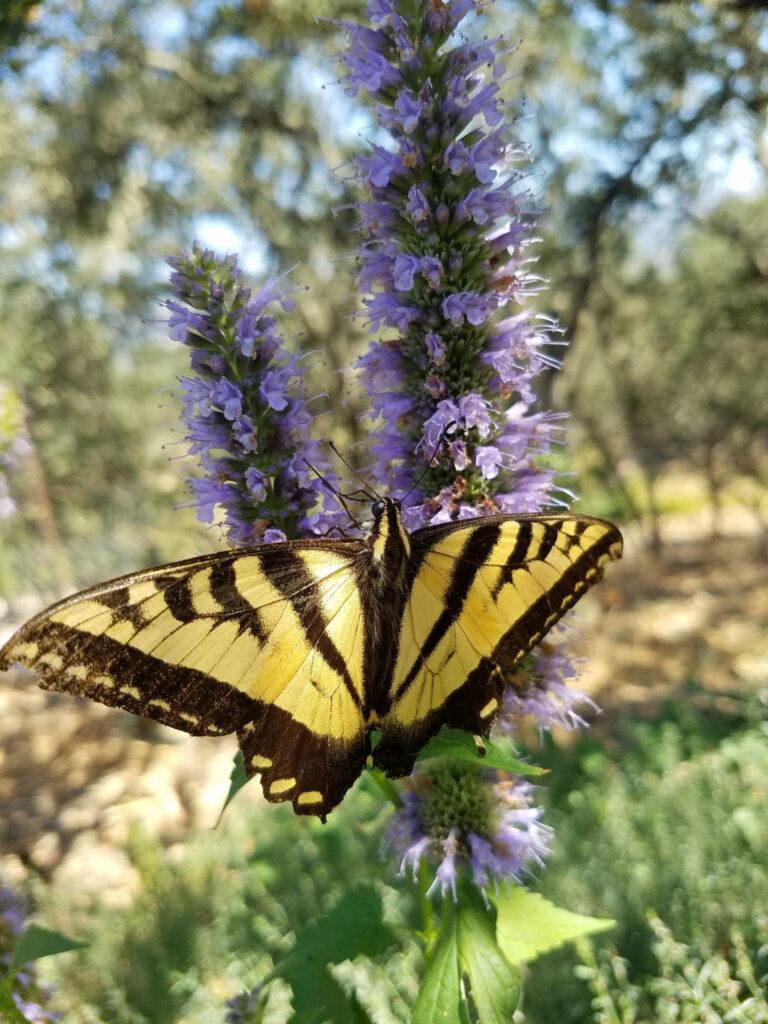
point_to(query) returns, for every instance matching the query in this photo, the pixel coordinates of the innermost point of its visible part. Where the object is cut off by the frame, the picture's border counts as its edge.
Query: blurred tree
(16, 17)
(676, 358)
(129, 126)
(646, 116)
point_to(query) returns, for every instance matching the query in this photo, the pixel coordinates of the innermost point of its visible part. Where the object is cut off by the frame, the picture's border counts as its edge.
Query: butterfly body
(303, 648)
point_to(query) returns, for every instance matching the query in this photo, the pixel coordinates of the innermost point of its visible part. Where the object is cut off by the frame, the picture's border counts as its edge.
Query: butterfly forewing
(481, 595)
(265, 642)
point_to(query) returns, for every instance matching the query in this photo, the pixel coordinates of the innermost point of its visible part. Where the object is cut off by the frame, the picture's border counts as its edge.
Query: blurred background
(130, 127)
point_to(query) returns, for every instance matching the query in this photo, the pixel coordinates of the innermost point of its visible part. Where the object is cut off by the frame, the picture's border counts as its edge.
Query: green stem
(387, 786)
(428, 930)
(8, 1009)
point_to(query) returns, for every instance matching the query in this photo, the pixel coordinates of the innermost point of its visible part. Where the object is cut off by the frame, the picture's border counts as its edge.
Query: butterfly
(303, 648)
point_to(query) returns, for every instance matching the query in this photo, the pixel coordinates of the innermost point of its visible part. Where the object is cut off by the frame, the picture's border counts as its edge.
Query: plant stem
(387, 786)
(428, 931)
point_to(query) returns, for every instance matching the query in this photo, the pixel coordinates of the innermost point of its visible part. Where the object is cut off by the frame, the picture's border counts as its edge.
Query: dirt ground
(76, 778)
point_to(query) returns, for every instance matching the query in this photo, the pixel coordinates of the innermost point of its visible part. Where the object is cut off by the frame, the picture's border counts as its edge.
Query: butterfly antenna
(368, 487)
(333, 491)
(440, 440)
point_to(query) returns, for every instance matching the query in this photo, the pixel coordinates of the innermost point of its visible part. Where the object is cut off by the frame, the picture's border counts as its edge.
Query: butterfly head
(382, 506)
(388, 537)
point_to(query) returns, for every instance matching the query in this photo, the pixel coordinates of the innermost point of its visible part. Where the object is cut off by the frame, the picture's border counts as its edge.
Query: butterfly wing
(266, 642)
(482, 593)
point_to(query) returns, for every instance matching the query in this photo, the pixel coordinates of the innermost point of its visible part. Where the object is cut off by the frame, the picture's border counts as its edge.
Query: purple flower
(488, 458)
(228, 398)
(443, 18)
(459, 455)
(445, 419)
(456, 158)
(272, 389)
(416, 206)
(476, 412)
(545, 690)
(241, 1009)
(466, 305)
(256, 482)
(377, 170)
(464, 821)
(409, 111)
(436, 348)
(446, 875)
(432, 269)
(403, 271)
(384, 310)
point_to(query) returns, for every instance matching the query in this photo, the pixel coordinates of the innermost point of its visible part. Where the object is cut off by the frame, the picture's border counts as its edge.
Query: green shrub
(685, 839)
(684, 988)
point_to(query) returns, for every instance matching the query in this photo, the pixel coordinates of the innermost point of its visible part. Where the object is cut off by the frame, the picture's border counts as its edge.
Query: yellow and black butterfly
(303, 648)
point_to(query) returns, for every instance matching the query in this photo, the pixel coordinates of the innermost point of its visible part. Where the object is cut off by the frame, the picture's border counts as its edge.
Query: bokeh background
(130, 127)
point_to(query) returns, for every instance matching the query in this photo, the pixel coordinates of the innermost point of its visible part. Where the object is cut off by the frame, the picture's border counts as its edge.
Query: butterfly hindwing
(266, 642)
(481, 595)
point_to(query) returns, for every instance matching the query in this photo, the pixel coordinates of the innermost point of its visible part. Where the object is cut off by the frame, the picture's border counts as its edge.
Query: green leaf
(238, 779)
(527, 925)
(36, 943)
(461, 745)
(468, 979)
(354, 927)
(439, 998)
(493, 990)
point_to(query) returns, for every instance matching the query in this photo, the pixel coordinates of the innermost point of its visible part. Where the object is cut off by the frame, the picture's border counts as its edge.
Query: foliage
(686, 988)
(22, 999)
(16, 17)
(711, 300)
(124, 133)
(667, 833)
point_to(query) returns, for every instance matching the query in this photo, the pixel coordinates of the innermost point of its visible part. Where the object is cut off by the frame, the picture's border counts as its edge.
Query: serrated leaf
(528, 925)
(237, 780)
(354, 927)
(468, 978)
(439, 998)
(493, 991)
(322, 1000)
(462, 746)
(36, 943)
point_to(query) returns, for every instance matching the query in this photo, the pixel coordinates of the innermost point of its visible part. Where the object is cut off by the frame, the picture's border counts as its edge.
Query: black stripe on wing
(479, 545)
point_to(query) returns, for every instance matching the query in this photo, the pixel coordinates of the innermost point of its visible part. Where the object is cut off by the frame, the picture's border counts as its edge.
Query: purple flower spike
(435, 271)
(245, 411)
(447, 282)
